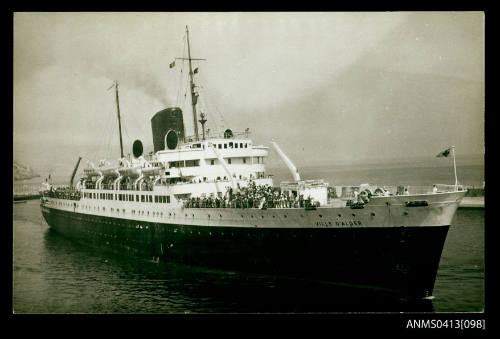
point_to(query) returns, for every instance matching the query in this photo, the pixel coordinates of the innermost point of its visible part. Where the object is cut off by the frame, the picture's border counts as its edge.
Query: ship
(207, 200)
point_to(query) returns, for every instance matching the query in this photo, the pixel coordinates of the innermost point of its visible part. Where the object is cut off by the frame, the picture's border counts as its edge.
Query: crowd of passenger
(63, 193)
(252, 196)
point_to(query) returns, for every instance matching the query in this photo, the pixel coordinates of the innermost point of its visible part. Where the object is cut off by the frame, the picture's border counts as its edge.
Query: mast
(119, 121)
(193, 97)
(455, 168)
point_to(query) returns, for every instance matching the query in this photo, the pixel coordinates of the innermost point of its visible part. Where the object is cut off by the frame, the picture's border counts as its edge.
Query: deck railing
(347, 192)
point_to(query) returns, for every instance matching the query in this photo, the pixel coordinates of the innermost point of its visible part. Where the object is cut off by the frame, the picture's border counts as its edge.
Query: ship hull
(397, 260)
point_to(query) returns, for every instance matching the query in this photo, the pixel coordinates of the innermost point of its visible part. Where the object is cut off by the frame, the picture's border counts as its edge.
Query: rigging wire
(109, 150)
(106, 137)
(179, 88)
(216, 110)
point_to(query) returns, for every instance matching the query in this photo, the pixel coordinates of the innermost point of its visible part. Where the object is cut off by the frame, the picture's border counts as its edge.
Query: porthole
(405, 213)
(285, 215)
(339, 215)
(262, 217)
(242, 215)
(372, 214)
(320, 216)
(353, 215)
(220, 215)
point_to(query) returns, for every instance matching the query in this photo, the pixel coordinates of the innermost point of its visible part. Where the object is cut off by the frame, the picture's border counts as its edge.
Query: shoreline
(472, 202)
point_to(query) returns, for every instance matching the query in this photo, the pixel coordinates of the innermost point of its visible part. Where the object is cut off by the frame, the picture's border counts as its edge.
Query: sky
(329, 88)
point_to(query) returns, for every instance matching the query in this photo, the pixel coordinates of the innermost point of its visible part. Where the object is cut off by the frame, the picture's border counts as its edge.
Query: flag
(444, 153)
(195, 70)
(172, 64)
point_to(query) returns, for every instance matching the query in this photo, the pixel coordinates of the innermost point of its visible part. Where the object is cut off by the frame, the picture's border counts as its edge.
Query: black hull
(398, 260)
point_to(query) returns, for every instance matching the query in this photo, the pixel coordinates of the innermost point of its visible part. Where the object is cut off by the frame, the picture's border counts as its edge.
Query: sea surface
(52, 274)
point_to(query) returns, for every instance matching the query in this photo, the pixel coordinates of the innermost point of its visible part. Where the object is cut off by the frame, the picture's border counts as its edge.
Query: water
(52, 274)
(55, 275)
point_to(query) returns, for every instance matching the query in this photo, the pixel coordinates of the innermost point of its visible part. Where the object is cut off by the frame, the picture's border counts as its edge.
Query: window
(168, 199)
(230, 145)
(156, 198)
(235, 145)
(220, 146)
(142, 198)
(229, 161)
(192, 163)
(245, 145)
(241, 145)
(212, 162)
(150, 198)
(177, 164)
(137, 197)
(225, 145)
(244, 160)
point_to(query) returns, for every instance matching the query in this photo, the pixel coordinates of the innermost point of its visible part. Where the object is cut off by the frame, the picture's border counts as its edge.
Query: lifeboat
(110, 172)
(130, 171)
(91, 172)
(151, 171)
